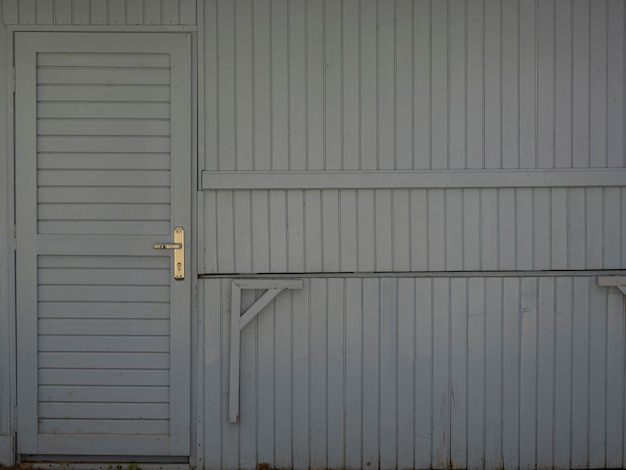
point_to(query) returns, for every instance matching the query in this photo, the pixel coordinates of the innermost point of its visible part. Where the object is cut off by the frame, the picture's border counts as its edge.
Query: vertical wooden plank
(597, 374)
(331, 227)
(611, 228)
(187, 12)
(152, 12)
(527, 85)
(261, 71)
(563, 367)
(458, 372)
(615, 378)
(511, 373)
(63, 11)
(313, 234)
(541, 225)
(615, 88)
(489, 229)
(506, 217)
(210, 232)
(336, 404)
(401, 244)
(580, 374)
(315, 85)
(558, 229)
(439, 86)
(388, 373)
(10, 11)
(454, 229)
(225, 232)
(283, 379)
(493, 82)
(594, 224)
(371, 379)
(406, 373)
(278, 248)
(350, 85)
(475, 84)
(332, 86)
(383, 225)
(493, 373)
(545, 83)
(134, 12)
(476, 362)
(597, 83)
(279, 40)
(423, 306)
(353, 372)
(117, 12)
(366, 230)
(546, 334)
(386, 67)
(458, 82)
(510, 84)
(230, 431)
(249, 404)
(27, 12)
(242, 231)
(404, 84)
(441, 373)
(244, 87)
(297, 85)
(419, 229)
(471, 229)
(436, 226)
(226, 125)
(169, 12)
(300, 372)
(80, 12)
(260, 227)
(44, 12)
(580, 84)
(368, 26)
(528, 373)
(348, 230)
(563, 125)
(623, 248)
(524, 225)
(267, 342)
(211, 74)
(421, 84)
(214, 309)
(295, 231)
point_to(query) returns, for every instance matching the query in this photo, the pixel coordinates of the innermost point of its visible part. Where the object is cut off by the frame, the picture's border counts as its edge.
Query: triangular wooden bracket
(613, 281)
(238, 320)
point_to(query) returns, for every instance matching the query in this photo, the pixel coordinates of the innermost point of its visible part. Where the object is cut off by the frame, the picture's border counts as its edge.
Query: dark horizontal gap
(97, 67)
(100, 102)
(417, 274)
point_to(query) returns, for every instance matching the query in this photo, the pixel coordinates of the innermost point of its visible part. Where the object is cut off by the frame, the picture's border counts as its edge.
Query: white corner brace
(238, 320)
(613, 281)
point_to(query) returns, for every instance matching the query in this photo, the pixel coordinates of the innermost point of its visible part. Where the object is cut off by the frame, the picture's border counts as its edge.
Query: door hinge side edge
(13, 79)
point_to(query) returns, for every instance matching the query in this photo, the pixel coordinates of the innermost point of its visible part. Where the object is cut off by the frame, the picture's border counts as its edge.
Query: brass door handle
(179, 252)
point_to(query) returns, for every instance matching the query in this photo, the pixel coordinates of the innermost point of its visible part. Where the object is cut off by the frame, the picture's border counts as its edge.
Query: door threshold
(82, 463)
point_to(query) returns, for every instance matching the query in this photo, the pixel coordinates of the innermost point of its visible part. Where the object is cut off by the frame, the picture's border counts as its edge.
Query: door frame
(195, 399)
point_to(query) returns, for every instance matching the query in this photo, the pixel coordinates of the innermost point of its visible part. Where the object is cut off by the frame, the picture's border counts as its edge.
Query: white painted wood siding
(402, 84)
(324, 88)
(99, 12)
(515, 372)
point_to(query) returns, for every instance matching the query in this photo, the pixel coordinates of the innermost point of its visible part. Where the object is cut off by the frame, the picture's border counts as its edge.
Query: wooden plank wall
(7, 344)
(99, 12)
(515, 372)
(413, 85)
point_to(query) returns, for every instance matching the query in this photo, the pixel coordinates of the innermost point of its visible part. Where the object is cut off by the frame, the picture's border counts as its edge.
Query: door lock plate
(179, 252)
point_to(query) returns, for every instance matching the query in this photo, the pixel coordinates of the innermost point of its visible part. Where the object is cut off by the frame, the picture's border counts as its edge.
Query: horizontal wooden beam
(412, 179)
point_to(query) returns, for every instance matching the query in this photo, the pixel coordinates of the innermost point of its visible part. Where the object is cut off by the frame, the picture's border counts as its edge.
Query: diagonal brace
(239, 320)
(613, 281)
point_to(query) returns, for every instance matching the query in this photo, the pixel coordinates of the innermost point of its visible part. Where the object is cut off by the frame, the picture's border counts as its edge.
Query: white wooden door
(103, 158)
